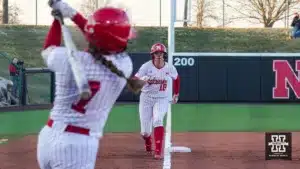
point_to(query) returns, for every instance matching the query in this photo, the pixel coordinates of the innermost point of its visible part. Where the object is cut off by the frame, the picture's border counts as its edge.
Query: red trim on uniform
(80, 21)
(78, 130)
(176, 85)
(53, 37)
(72, 129)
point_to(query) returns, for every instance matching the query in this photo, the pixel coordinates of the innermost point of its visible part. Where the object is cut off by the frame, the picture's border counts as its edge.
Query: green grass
(185, 117)
(25, 42)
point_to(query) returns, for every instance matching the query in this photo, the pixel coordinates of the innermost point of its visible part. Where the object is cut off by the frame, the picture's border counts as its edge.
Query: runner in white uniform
(70, 140)
(154, 97)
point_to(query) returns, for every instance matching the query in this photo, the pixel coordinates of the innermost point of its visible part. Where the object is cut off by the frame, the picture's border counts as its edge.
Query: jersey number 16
(163, 87)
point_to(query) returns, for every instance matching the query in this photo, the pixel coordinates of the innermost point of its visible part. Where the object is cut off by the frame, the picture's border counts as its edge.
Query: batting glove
(66, 10)
(175, 98)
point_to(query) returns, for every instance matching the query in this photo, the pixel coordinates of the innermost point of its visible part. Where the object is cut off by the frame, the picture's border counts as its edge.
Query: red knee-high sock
(158, 137)
(148, 141)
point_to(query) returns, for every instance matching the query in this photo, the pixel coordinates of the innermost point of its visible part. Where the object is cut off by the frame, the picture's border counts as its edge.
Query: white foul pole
(171, 50)
(171, 47)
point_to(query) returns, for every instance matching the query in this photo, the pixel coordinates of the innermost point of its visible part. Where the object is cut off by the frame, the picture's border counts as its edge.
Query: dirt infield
(125, 151)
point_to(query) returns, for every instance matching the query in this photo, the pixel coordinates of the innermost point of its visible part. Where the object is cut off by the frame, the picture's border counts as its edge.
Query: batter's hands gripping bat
(77, 69)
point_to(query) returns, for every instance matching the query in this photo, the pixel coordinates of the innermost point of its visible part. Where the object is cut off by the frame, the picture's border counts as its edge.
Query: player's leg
(146, 113)
(75, 151)
(160, 110)
(64, 150)
(43, 148)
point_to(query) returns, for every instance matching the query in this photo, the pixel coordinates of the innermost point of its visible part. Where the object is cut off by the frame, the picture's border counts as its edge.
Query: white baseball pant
(152, 112)
(66, 150)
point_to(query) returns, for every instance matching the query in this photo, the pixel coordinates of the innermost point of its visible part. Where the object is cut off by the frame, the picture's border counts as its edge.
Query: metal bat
(77, 69)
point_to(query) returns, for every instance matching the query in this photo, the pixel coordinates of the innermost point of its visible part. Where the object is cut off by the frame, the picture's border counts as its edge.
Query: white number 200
(181, 61)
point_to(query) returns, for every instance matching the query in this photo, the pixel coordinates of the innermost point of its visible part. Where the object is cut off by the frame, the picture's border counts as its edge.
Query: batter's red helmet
(159, 47)
(109, 30)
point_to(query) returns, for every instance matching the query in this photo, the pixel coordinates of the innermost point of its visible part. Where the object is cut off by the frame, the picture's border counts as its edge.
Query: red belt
(72, 129)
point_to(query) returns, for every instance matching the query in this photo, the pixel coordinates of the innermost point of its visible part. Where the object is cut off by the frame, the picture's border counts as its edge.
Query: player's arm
(53, 55)
(176, 84)
(52, 41)
(141, 74)
(53, 38)
(80, 21)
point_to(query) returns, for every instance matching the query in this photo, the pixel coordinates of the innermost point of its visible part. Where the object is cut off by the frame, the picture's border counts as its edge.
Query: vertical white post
(189, 11)
(160, 12)
(36, 12)
(168, 149)
(171, 47)
(171, 32)
(171, 37)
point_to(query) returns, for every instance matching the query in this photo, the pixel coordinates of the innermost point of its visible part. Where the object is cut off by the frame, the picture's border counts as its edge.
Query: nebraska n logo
(158, 47)
(286, 79)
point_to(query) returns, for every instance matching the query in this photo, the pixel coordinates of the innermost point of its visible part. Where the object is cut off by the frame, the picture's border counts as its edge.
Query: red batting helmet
(159, 47)
(109, 30)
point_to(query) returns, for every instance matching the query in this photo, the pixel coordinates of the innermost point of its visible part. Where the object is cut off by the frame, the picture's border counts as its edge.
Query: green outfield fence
(4, 63)
(38, 86)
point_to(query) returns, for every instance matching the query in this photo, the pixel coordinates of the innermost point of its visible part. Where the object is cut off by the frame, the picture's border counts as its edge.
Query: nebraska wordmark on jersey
(157, 79)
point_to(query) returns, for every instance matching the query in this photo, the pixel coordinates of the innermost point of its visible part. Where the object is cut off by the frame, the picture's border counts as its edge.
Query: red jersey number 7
(80, 105)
